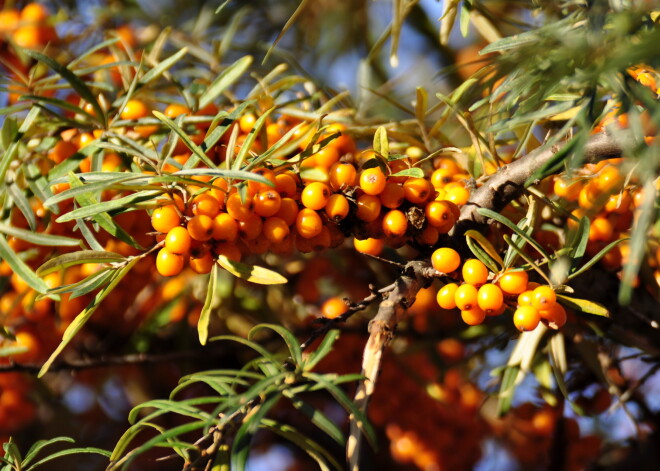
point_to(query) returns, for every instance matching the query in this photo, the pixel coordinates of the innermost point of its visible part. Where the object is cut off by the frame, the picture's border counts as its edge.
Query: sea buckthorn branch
(508, 182)
(416, 276)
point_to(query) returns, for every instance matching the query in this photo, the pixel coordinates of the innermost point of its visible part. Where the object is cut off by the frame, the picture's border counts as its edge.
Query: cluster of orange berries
(28, 28)
(478, 298)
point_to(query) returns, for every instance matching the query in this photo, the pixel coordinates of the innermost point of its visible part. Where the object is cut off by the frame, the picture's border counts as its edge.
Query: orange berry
(567, 189)
(428, 236)
(526, 318)
(288, 211)
(368, 208)
(466, 297)
(440, 177)
(457, 194)
(34, 13)
(286, 184)
(474, 316)
(31, 342)
(200, 227)
(315, 195)
(229, 250)
(225, 228)
(526, 298)
(165, 218)
(168, 263)
(543, 296)
(395, 223)
(308, 223)
(246, 122)
(275, 229)
(513, 282)
(554, 314)
(337, 207)
(178, 240)
(601, 229)
(440, 215)
(174, 110)
(251, 228)
(372, 181)
(369, 246)
(206, 205)
(61, 151)
(609, 179)
(490, 298)
(446, 296)
(445, 260)
(417, 190)
(333, 307)
(238, 209)
(475, 272)
(342, 175)
(267, 203)
(134, 109)
(268, 174)
(202, 263)
(392, 196)
(327, 156)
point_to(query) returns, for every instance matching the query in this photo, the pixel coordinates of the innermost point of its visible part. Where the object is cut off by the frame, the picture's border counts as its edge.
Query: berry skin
(315, 195)
(288, 211)
(206, 205)
(368, 208)
(200, 227)
(275, 229)
(342, 175)
(225, 228)
(250, 228)
(308, 223)
(445, 260)
(202, 264)
(543, 297)
(395, 223)
(178, 240)
(134, 109)
(567, 189)
(475, 272)
(165, 218)
(168, 263)
(490, 298)
(369, 246)
(513, 282)
(466, 297)
(555, 315)
(525, 298)
(446, 296)
(457, 194)
(392, 196)
(267, 203)
(286, 184)
(526, 318)
(417, 190)
(333, 308)
(337, 207)
(474, 316)
(440, 215)
(372, 181)
(239, 210)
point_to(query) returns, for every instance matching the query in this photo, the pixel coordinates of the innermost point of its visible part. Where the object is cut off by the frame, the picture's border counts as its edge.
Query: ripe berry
(368, 208)
(168, 263)
(474, 316)
(555, 315)
(372, 181)
(333, 307)
(342, 175)
(445, 260)
(543, 297)
(417, 190)
(225, 228)
(392, 196)
(446, 296)
(395, 223)
(206, 205)
(286, 184)
(178, 240)
(440, 215)
(165, 218)
(200, 227)
(267, 203)
(475, 272)
(238, 209)
(315, 195)
(490, 298)
(134, 109)
(308, 223)
(275, 229)
(466, 297)
(526, 318)
(288, 211)
(369, 246)
(513, 282)
(202, 263)
(250, 228)
(337, 207)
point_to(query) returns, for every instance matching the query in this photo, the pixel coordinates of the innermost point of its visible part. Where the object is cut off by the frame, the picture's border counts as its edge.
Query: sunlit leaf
(252, 273)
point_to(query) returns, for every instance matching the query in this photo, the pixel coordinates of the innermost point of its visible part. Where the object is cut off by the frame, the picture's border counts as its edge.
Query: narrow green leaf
(9, 132)
(583, 305)
(70, 451)
(252, 273)
(75, 82)
(486, 249)
(227, 78)
(414, 172)
(40, 445)
(162, 67)
(289, 23)
(507, 390)
(196, 150)
(249, 140)
(7, 158)
(319, 419)
(499, 218)
(38, 238)
(93, 210)
(421, 104)
(323, 349)
(19, 267)
(596, 258)
(210, 303)
(82, 318)
(287, 336)
(86, 285)
(254, 346)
